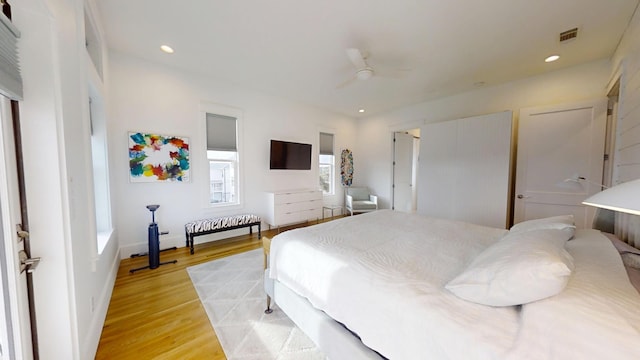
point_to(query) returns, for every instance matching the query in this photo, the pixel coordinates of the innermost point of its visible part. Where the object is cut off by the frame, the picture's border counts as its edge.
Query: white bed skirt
(335, 341)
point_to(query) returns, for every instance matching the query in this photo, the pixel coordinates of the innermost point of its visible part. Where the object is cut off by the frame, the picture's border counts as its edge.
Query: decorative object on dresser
(214, 225)
(293, 206)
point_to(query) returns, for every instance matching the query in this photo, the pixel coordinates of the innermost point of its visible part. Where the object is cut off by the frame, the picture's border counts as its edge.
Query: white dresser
(293, 206)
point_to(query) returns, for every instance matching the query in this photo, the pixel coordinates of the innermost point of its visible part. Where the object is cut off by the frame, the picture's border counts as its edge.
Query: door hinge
(609, 111)
(22, 234)
(606, 157)
(27, 263)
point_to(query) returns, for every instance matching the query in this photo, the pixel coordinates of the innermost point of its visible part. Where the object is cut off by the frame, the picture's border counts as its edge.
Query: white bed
(383, 276)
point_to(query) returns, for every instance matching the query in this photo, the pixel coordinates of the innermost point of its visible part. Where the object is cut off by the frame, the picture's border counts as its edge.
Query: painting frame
(155, 157)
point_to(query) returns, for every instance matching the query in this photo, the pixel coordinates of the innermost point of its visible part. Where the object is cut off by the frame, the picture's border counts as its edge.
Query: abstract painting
(158, 158)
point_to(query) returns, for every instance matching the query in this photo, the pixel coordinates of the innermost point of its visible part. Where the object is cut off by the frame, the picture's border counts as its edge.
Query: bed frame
(335, 340)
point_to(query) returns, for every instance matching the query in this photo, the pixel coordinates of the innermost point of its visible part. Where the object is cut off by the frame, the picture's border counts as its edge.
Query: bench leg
(259, 231)
(191, 244)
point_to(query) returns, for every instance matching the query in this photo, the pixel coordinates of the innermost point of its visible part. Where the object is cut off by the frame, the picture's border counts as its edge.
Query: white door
(16, 330)
(402, 171)
(557, 143)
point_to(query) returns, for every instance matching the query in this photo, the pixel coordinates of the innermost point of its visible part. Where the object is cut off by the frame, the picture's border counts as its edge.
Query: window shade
(10, 80)
(326, 144)
(221, 133)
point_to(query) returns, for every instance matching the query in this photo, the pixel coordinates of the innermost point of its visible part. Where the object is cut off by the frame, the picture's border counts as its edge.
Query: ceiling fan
(363, 70)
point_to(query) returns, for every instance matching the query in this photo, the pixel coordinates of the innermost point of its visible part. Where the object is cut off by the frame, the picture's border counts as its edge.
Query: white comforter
(382, 274)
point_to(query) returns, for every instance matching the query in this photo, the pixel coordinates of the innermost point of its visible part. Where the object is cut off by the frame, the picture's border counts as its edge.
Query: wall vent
(569, 34)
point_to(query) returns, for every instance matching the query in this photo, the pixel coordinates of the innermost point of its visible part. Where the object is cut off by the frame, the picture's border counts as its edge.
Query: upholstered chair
(360, 199)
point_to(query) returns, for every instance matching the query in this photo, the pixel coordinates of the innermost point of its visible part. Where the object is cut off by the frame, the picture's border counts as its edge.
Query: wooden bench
(214, 225)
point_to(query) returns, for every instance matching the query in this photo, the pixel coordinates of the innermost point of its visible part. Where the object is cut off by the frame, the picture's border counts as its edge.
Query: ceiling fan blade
(346, 83)
(395, 74)
(357, 58)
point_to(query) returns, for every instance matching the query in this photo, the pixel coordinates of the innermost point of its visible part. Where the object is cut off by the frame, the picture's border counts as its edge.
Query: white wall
(627, 68)
(155, 98)
(626, 159)
(72, 283)
(375, 153)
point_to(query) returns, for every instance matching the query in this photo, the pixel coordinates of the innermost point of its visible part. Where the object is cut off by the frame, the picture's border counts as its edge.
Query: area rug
(231, 291)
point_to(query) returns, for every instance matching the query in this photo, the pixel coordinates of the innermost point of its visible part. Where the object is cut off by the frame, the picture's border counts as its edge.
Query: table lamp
(624, 198)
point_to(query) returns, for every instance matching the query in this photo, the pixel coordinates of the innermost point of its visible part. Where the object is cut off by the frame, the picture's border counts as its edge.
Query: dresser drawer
(287, 198)
(298, 206)
(288, 218)
(294, 206)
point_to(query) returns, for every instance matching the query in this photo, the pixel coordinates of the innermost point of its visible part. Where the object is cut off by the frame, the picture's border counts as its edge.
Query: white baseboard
(100, 314)
(179, 241)
(143, 247)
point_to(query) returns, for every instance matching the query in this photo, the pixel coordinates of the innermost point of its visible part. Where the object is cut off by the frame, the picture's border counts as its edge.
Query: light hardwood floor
(156, 314)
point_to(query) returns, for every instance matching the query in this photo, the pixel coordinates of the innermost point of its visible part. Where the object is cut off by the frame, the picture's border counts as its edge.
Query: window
(222, 153)
(327, 161)
(100, 161)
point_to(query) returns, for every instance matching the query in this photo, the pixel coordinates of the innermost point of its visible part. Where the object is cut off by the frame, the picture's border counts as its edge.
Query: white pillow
(518, 269)
(562, 222)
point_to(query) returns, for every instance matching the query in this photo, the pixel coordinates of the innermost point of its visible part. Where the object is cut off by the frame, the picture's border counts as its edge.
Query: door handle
(520, 196)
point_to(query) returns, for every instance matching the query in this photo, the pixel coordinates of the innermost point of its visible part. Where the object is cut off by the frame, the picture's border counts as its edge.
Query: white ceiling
(429, 48)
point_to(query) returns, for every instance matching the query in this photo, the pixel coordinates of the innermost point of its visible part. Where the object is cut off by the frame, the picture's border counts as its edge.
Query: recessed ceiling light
(552, 58)
(167, 49)
(361, 110)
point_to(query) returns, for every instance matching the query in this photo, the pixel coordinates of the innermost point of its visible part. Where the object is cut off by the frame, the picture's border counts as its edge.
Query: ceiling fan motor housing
(364, 74)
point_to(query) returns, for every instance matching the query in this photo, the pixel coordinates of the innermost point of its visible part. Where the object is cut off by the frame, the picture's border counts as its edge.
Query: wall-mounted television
(285, 155)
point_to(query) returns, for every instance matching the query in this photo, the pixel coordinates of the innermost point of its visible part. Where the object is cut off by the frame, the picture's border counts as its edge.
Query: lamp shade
(624, 198)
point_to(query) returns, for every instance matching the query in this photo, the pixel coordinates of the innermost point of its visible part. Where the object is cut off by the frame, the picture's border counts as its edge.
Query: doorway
(406, 147)
(18, 308)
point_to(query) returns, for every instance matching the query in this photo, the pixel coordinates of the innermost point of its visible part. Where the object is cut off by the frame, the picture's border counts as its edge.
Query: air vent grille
(569, 34)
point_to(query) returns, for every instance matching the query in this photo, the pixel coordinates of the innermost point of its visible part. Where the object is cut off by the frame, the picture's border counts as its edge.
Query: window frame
(332, 166)
(100, 169)
(203, 159)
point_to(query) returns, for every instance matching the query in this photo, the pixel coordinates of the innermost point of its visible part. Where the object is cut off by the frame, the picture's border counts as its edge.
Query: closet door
(465, 169)
(438, 170)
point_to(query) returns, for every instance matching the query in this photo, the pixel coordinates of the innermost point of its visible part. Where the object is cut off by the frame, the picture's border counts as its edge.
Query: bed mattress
(382, 275)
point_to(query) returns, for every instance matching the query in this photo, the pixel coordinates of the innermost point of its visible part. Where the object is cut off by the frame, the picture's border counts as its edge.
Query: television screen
(290, 156)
